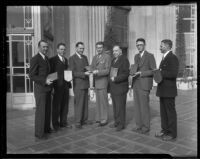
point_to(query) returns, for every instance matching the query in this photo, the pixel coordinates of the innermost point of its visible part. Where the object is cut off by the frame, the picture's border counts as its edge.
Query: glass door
(19, 85)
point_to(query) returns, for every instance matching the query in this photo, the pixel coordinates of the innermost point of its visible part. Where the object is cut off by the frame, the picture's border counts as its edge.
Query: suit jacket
(101, 64)
(39, 70)
(77, 65)
(58, 66)
(169, 71)
(145, 64)
(120, 84)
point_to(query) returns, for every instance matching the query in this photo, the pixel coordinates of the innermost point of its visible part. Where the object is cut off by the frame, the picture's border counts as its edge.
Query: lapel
(165, 59)
(118, 61)
(46, 61)
(98, 60)
(77, 58)
(58, 59)
(142, 59)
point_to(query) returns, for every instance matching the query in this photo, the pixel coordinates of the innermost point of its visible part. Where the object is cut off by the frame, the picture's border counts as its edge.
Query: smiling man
(61, 89)
(142, 86)
(39, 70)
(101, 67)
(119, 87)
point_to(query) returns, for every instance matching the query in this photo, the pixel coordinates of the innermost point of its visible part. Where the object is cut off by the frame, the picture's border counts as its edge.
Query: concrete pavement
(94, 139)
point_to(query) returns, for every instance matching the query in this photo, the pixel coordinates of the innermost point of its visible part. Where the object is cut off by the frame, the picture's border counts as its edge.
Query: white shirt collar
(60, 57)
(43, 56)
(78, 55)
(165, 54)
(141, 54)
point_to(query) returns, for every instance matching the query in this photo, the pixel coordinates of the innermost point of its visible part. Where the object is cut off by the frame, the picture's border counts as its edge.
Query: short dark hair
(141, 39)
(100, 43)
(79, 43)
(60, 44)
(42, 41)
(168, 42)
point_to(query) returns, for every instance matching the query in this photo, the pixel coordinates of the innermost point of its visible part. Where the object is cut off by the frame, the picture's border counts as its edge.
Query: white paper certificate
(68, 75)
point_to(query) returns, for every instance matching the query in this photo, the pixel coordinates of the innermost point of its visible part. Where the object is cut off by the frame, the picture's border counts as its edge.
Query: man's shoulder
(106, 56)
(72, 56)
(35, 57)
(172, 55)
(149, 54)
(53, 57)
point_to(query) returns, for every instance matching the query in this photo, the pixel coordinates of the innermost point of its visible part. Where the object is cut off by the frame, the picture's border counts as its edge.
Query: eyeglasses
(140, 45)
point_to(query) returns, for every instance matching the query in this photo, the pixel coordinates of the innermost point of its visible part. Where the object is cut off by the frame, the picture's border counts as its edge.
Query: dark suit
(80, 87)
(39, 69)
(119, 89)
(167, 91)
(141, 87)
(61, 93)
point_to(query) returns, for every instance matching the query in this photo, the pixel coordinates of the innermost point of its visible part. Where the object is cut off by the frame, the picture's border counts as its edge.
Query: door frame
(23, 100)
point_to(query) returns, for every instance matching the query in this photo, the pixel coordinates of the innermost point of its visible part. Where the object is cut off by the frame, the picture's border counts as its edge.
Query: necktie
(47, 61)
(115, 60)
(63, 59)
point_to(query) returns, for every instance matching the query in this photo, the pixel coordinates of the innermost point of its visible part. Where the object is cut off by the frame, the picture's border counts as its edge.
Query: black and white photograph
(101, 79)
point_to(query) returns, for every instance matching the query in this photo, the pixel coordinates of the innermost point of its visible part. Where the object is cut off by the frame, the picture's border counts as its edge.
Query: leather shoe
(51, 131)
(103, 124)
(43, 137)
(66, 126)
(137, 129)
(144, 130)
(119, 128)
(78, 126)
(87, 122)
(159, 134)
(168, 138)
(114, 125)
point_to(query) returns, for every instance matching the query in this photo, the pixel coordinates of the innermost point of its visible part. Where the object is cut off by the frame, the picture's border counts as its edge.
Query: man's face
(99, 49)
(140, 46)
(80, 49)
(163, 48)
(43, 48)
(61, 50)
(116, 51)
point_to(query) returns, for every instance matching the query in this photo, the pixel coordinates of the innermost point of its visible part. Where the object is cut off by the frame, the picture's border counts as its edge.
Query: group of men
(115, 83)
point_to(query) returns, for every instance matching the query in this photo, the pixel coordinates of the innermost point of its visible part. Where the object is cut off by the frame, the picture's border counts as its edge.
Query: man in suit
(101, 68)
(142, 85)
(39, 69)
(119, 88)
(167, 91)
(61, 89)
(77, 63)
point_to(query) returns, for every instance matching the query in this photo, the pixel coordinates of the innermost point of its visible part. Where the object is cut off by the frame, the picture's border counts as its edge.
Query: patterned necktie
(63, 59)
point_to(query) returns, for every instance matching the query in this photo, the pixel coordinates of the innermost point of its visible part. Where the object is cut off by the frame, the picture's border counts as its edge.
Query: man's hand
(95, 71)
(112, 79)
(87, 73)
(48, 81)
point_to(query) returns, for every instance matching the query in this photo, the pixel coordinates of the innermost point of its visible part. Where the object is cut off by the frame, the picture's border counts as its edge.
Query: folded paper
(53, 76)
(68, 75)
(113, 72)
